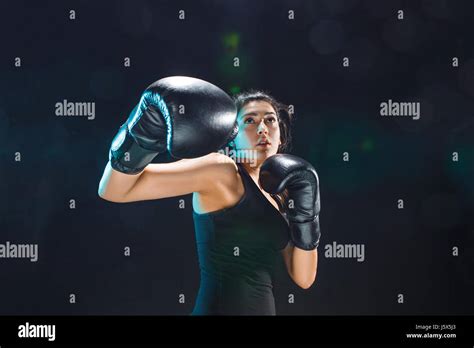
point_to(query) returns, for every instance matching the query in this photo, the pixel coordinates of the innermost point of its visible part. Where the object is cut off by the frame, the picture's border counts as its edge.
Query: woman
(241, 230)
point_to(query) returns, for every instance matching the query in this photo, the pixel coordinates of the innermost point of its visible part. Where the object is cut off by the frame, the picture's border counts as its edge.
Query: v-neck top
(238, 248)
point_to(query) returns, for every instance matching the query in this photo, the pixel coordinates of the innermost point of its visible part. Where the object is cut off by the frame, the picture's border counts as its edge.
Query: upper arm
(182, 177)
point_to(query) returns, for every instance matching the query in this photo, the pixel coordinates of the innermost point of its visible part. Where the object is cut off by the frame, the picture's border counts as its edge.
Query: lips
(264, 142)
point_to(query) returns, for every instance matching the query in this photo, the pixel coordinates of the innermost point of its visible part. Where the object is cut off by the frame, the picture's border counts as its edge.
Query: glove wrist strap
(305, 235)
(126, 155)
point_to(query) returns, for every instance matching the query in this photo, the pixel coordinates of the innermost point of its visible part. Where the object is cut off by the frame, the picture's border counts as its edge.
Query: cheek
(244, 137)
(250, 131)
(276, 133)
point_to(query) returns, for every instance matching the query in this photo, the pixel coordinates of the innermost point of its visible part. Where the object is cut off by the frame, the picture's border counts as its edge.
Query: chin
(265, 153)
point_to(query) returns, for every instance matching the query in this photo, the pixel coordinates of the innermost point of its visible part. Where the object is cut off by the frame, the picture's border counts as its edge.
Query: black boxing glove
(299, 178)
(185, 116)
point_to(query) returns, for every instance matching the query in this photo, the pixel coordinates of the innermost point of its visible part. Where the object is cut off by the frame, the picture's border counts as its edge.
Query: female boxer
(248, 212)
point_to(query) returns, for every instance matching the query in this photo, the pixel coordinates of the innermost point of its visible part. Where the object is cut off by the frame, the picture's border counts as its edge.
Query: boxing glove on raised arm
(299, 178)
(186, 116)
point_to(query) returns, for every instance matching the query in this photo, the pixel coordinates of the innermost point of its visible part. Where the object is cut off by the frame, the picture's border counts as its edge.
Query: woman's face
(259, 130)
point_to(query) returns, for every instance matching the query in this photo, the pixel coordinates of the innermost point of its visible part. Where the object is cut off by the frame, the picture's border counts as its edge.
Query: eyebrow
(256, 114)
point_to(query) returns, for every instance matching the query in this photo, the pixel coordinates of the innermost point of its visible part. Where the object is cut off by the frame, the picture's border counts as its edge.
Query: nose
(262, 128)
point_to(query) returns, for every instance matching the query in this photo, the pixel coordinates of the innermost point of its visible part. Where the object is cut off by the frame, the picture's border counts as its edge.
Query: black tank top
(238, 249)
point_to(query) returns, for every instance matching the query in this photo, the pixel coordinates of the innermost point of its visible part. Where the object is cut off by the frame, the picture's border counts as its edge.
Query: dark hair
(285, 118)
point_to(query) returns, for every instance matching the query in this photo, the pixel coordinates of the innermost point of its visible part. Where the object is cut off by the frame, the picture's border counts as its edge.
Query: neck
(253, 171)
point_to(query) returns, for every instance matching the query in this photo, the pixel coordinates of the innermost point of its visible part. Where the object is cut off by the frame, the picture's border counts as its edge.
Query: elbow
(104, 190)
(101, 193)
(112, 199)
(106, 197)
(306, 284)
(305, 281)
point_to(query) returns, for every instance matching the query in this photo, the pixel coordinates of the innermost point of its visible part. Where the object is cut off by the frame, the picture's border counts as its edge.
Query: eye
(271, 119)
(248, 120)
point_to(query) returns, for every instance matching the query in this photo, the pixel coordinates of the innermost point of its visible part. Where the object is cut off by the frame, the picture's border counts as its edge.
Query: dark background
(299, 61)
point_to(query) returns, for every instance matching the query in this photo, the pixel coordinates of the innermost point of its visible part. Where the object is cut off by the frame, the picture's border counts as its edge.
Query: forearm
(298, 177)
(303, 266)
(114, 185)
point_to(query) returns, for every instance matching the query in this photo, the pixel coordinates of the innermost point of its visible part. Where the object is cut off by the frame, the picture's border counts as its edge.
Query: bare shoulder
(211, 169)
(221, 168)
(220, 158)
(223, 185)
